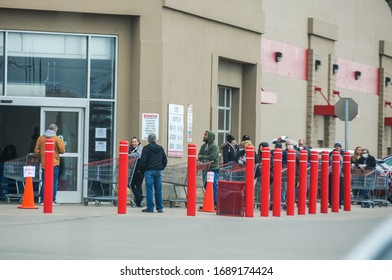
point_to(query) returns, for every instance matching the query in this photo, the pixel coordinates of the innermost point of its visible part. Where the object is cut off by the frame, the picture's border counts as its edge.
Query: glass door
(69, 122)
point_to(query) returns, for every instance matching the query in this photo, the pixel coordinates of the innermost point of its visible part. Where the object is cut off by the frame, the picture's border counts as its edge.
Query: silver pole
(346, 124)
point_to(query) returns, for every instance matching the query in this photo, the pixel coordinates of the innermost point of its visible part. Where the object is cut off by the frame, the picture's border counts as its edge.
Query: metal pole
(346, 124)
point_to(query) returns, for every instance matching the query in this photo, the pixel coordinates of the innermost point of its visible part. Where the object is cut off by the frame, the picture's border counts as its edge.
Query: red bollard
(277, 192)
(303, 176)
(48, 176)
(335, 181)
(265, 181)
(314, 162)
(290, 192)
(191, 197)
(347, 181)
(324, 181)
(122, 177)
(250, 182)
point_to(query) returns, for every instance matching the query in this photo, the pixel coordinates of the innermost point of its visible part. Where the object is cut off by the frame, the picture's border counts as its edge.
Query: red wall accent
(294, 60)
(345, 78)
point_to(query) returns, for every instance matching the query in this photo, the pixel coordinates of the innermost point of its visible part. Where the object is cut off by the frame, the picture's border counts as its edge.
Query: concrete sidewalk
(77, 232)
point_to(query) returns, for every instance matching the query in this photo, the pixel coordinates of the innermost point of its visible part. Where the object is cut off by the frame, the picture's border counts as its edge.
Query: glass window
(101, 130)
(102, 67)
(224, 113)
(1, 62)
(47, 65)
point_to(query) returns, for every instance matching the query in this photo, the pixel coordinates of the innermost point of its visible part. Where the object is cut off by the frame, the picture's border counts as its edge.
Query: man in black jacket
(152, 162)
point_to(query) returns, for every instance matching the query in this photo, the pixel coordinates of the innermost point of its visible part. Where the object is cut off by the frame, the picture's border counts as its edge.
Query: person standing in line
(230, 150)
(337, 148)
(135, 152)
(152, 162)
(356, 156)
(59, 148)
(366, 162)
(209, 151)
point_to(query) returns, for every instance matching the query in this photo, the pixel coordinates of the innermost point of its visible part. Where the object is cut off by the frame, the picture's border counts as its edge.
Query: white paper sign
(150, 124)
(100, 132)
(189, 129)
(100, 146)
(29, 171)
(176, 131)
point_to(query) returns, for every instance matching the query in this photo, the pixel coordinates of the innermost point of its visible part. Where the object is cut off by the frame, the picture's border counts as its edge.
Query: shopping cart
(381, 189)
(362, 185)
(236, 173)
(103, 175)
(176, 175)
(14, 172)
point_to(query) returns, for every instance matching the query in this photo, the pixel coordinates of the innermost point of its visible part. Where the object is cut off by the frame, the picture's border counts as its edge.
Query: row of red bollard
(303, 192)
(265, 181)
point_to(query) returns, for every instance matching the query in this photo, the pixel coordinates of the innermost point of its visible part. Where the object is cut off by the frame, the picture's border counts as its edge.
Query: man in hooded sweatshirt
(59, 148)
(209, 151)
(152, 162)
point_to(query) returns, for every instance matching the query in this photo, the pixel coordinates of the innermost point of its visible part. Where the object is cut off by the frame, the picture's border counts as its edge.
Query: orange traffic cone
(208, 203)
(28, 196)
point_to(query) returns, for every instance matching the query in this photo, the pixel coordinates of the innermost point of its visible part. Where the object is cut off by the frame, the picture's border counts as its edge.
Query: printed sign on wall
(150, 124)
(176, 131)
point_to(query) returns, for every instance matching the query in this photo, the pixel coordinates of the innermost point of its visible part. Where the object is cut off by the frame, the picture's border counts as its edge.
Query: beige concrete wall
(193, 69)
(170, 52)
(356, 27)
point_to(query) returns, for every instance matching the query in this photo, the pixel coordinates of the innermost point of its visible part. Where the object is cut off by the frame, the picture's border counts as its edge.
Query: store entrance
(21, 125)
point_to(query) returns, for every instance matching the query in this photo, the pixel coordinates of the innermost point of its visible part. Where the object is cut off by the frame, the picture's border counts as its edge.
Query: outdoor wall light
(387, 103)
(317, 64)
(335, 68)
(387, 81)
(278, 57)
(357, 75)
(336, 92)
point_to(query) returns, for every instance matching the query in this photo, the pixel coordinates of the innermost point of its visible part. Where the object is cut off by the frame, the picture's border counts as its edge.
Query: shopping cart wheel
(97, 203)
(21, 200)
(7, 199)
(85, 202)
(114, 203)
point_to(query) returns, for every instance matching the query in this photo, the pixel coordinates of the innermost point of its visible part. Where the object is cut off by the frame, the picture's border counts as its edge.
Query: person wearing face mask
(290, 146)
(366, 162)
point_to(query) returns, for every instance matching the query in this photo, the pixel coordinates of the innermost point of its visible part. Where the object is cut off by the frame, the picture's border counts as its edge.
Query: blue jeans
(215, 185)
(55, 183)
(153, 179)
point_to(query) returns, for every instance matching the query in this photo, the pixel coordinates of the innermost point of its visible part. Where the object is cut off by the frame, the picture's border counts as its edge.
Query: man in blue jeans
(59, 148)
(152, 162)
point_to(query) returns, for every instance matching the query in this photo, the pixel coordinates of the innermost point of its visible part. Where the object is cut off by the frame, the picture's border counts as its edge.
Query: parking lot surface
(77, 232)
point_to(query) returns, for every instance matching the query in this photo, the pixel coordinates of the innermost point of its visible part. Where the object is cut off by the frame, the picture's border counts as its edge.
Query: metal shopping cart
(362, 185)
(176, 175)
(103, 174)
(381, 188)
(13, 171)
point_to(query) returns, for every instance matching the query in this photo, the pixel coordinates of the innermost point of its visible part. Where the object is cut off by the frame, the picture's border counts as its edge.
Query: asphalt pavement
(78, 232)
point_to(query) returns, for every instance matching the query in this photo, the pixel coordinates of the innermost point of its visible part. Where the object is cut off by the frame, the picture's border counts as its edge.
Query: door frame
(70, 196)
